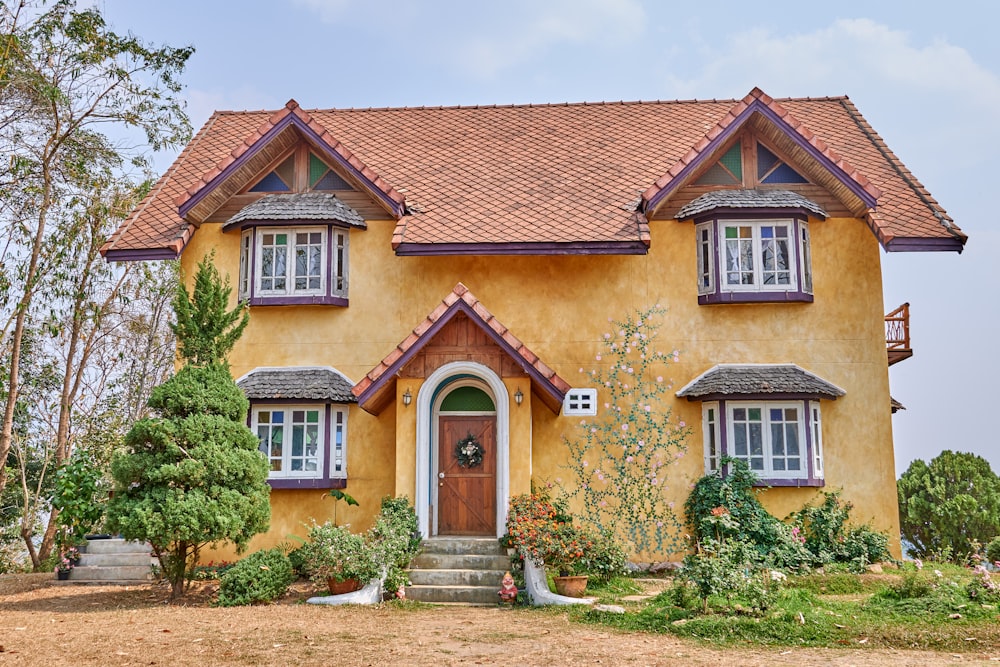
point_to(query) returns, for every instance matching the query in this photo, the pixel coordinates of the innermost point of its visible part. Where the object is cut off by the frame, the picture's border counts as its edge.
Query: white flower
(937, 573)
(777, 576)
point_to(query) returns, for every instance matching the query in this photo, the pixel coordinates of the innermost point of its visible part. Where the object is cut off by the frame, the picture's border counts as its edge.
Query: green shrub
(396, 539)
(263, 576)
(334, 552)
(735, 493)
(993, 551)
(604, 559)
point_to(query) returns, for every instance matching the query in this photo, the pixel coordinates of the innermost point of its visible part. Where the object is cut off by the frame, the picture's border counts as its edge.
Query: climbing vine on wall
(621, 459)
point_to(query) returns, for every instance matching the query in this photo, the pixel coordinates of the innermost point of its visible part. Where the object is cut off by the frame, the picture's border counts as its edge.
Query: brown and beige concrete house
(415, 275)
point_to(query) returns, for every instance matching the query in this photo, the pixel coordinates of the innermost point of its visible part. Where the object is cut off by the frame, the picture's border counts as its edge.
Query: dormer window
(294, 249)
(752, 245)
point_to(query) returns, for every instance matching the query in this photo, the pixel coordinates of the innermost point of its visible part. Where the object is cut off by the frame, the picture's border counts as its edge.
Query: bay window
(305, 445)
(294, 265)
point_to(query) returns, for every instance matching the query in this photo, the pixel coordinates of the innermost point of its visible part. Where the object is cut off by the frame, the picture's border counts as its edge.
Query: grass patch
(907, 610)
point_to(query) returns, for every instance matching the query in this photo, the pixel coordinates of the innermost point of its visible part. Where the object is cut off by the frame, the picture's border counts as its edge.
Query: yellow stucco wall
(559, 307)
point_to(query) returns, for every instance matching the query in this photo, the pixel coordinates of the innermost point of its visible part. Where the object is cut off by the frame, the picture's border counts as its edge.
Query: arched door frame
(428, 400)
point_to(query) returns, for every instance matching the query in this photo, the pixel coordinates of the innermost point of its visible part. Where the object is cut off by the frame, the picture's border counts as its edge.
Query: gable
(459, 329)
(262, 162)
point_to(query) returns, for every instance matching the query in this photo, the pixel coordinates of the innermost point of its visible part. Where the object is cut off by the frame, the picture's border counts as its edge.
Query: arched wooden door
(467, 495)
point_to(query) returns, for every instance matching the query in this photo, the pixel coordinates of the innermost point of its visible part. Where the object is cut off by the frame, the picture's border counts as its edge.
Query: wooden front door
(467, 496)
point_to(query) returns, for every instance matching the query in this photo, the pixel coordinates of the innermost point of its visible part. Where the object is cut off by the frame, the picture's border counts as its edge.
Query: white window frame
(334, 247)
(330, 447)
(246, 254)
(718, 420)
(757, 269)
(767, 452)
(805, 256)
(710, 423)
(705, 238)
(816, 430)
(290, 275)
(580, 402)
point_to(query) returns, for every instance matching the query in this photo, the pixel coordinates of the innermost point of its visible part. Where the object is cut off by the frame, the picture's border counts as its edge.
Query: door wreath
(469, 452)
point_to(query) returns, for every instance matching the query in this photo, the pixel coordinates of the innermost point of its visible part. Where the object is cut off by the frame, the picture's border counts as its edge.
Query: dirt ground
(43, 623)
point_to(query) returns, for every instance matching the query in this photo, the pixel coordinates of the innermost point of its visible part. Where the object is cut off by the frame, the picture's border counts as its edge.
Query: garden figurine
(508, 591)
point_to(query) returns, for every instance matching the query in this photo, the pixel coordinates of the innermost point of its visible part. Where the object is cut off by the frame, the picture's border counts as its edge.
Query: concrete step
(456, 577)
(112, 560)
(120, 573)
(116, 545)
(439, 561)
(483, 546)
(472, 595)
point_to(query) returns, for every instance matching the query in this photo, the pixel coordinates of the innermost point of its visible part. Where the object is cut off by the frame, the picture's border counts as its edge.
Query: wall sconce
(407, 398)
(518, 396)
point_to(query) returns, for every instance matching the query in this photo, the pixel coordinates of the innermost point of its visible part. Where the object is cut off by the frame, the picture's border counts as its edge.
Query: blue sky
(925, 74)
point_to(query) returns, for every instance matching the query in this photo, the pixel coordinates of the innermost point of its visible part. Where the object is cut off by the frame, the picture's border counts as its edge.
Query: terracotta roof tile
(537, 173)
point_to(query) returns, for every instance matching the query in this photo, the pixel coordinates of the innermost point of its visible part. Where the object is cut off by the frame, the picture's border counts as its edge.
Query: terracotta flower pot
(571, 586)
(341, 587)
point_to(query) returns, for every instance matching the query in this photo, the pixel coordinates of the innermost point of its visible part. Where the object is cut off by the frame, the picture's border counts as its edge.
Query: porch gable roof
(374, 391)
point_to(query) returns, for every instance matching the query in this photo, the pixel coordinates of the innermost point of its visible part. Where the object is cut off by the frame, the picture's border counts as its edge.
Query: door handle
(440, 475)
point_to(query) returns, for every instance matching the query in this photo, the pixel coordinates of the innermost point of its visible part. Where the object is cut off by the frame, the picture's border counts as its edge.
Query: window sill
(754, 297)
(307, 483)
(298, 301)
(805, 483)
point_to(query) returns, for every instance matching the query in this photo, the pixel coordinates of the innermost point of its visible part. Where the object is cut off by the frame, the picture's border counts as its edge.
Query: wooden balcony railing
(897, 334)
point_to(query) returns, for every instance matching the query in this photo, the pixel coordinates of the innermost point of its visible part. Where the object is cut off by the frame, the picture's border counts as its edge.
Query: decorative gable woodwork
(461, 339)
(758, 158)
(295, 170)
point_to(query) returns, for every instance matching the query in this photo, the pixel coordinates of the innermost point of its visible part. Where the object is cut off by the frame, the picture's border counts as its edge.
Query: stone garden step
(457, 577)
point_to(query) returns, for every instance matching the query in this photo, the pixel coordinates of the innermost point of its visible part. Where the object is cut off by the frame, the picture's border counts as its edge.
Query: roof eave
(528, 248)
(905, 244)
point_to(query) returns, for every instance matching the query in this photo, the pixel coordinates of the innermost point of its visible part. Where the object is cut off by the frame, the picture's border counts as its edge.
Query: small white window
(580, 402)
(706, 258)
(816, 426)
(710, 425)
(245, 245)
(805, 256)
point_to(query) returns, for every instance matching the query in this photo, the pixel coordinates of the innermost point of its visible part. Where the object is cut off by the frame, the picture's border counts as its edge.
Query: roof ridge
(528, 105)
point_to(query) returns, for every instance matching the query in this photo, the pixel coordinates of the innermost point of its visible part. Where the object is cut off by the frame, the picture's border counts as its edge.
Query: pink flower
(624, 427)
(646, 408)
(682, 424)
(598, 357)
(607, 336)
(659, 378)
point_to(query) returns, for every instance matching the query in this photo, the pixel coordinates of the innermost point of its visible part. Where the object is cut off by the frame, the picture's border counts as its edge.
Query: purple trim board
(525, 248)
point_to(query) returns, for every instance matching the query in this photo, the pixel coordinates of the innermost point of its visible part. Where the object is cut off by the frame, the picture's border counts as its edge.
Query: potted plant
(338, 558)
(539, 530)
(63, 568)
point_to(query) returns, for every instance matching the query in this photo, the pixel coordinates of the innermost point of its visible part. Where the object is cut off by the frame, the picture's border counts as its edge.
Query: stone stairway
(458, 570)
(113, 561)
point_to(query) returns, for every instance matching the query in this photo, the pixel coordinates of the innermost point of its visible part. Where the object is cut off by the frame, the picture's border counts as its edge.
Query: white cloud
(524, 31)
(843, 56)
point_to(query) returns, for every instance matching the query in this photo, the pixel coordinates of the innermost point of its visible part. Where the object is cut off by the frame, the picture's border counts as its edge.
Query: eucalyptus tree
(79, 106)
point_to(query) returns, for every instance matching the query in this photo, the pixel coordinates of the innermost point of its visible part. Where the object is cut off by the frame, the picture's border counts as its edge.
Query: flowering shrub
(542, 530)
(984, 588)
(621, 458)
